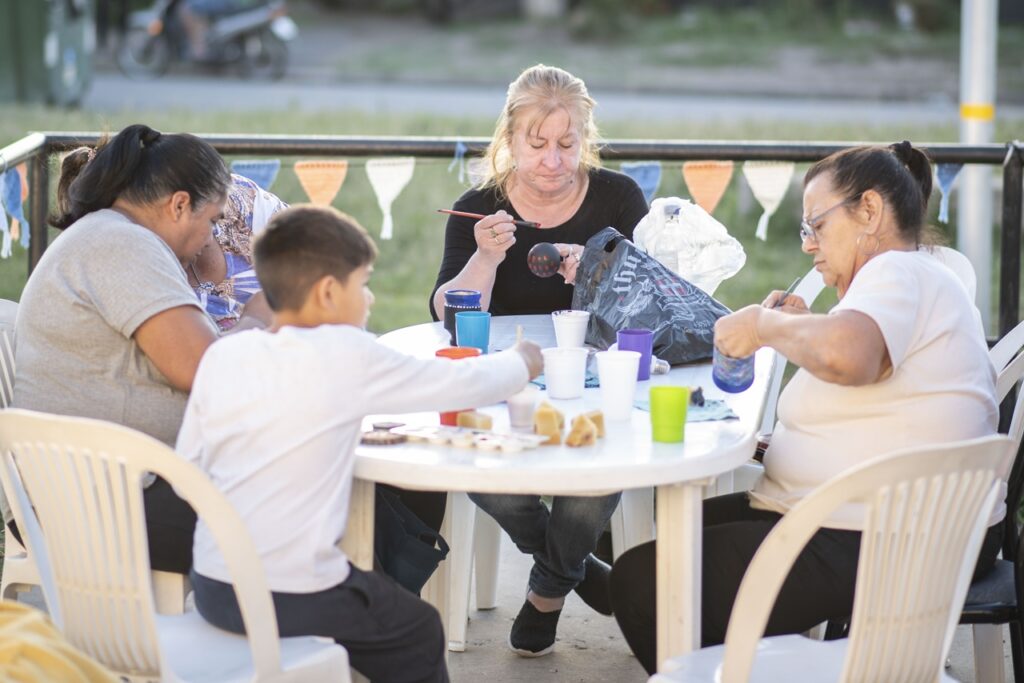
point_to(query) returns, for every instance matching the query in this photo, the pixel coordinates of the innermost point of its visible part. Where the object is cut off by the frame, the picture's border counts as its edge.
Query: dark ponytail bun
(141, 165)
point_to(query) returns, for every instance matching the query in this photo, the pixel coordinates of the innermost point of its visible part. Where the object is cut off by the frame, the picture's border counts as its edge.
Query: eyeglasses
(807, 224)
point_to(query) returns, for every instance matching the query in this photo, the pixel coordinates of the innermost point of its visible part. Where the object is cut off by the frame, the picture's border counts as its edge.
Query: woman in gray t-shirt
(108, 326)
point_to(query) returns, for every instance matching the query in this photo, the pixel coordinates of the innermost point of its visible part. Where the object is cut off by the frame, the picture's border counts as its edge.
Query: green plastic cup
(668, 413)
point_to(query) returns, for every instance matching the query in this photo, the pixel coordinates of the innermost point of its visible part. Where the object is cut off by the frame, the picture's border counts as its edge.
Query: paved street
(113, 92)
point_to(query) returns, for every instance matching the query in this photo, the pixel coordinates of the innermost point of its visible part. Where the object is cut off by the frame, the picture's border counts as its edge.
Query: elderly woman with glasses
(900, 361)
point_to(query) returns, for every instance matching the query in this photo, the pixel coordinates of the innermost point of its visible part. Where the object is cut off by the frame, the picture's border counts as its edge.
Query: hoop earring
(860, 247)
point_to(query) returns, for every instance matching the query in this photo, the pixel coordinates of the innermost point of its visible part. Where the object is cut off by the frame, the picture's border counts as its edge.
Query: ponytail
(140, 165)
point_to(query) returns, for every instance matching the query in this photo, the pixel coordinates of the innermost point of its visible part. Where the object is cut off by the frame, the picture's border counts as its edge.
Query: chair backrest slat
(925, 513)
(82, 498)
(80, 480)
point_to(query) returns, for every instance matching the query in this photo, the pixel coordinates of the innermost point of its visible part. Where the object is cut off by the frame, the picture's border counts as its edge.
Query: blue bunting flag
(263, 172)
(946, 174)
(647, 175)
(459, 160)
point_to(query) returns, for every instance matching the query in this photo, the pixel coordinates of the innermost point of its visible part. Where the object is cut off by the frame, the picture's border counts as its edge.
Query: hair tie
(90, 154)
(149, 137)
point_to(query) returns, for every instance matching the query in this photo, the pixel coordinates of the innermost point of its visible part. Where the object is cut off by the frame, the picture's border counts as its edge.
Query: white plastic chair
(926, 511)
(19, 571)
(743, 479)
(80, 480)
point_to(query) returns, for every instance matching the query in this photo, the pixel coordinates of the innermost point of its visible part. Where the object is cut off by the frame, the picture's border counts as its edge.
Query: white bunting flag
(769, 181)
(389, 176)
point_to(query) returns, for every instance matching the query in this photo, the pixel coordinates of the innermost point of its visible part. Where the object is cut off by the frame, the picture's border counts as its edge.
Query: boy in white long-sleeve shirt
(274, 418)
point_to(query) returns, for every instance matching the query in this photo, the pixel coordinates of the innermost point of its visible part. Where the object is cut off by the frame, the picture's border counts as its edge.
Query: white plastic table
(625, 459)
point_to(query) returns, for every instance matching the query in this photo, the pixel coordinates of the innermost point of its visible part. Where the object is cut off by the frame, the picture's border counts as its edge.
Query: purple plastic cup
(642, 341)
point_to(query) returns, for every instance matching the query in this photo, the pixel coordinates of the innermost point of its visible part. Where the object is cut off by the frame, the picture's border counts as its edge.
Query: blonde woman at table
(542, 165)
(900, 361)
(274, 418)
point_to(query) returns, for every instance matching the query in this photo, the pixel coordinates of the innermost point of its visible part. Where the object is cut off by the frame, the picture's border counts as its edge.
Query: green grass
(408, 264)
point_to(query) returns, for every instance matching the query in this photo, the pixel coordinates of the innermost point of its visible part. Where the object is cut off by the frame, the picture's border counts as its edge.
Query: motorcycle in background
(252, 39)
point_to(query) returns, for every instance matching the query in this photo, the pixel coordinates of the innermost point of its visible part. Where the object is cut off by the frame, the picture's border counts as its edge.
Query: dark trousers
(391, 635)
(819, 587)
(170, 524)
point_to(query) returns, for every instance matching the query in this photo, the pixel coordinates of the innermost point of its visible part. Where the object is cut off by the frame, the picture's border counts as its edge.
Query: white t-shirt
(274, 419)
(941, 389)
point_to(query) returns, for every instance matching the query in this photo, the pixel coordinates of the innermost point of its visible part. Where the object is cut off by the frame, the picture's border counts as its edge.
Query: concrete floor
(590, 647)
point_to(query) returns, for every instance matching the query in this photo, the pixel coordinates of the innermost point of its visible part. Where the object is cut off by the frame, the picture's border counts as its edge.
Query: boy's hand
(530, 354)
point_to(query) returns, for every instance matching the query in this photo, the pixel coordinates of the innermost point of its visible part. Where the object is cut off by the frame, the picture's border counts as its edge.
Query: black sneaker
(594, 588)
(533, 631)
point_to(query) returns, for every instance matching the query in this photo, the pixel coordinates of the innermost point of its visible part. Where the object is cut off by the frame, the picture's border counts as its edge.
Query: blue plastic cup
(473, 328)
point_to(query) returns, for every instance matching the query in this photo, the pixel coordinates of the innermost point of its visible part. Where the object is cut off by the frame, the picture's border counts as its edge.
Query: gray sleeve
(129, 276)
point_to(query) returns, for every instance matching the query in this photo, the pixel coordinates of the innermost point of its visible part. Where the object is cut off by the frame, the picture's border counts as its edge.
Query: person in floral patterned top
(222, 273)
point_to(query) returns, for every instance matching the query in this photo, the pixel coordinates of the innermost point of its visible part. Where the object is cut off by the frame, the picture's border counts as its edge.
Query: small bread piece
(474, 420)
(597, 417)
(548, 422)
(583, 432)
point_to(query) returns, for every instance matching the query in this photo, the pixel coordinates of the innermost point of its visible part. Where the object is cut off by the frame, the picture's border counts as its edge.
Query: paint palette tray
(462, 437)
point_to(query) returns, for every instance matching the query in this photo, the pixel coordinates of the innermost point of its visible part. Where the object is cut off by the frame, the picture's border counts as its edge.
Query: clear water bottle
(669, 243)
(732, 375)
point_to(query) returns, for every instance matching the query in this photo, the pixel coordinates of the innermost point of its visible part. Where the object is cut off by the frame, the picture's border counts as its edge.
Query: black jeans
(170, 525)
(390, 634)
(819, 587)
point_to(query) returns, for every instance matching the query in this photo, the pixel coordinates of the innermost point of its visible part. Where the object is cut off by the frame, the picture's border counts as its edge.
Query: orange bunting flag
(707, 181)
(321, 179)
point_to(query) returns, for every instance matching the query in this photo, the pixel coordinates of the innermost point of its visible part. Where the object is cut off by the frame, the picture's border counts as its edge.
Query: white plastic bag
(690, 242)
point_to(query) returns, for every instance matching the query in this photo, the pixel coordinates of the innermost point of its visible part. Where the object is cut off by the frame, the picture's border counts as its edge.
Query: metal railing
(37, 149)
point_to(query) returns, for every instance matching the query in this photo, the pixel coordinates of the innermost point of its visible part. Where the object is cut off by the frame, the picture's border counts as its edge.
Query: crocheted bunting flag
(769, 181)
(459, 160)
(945, 176)
(707, 181)
(647, 175)
(321, 179)
(14, 188)
(389, 177)
(263, 172)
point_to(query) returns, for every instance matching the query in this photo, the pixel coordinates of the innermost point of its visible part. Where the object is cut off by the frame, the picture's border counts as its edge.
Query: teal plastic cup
(473, 328)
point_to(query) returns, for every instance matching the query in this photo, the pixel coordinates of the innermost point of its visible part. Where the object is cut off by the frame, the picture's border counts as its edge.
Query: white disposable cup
(570, 327)
(565, 371)
(617, 371)
(521, 407)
